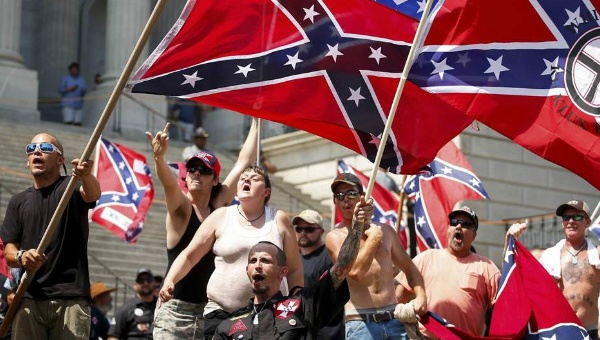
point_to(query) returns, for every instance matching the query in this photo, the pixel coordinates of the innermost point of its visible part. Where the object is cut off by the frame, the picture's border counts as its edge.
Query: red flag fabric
(529, 301)
(384, 202)
(447, 180)
(326, 67)
(4, 270)
(127, 190)
(536, 85)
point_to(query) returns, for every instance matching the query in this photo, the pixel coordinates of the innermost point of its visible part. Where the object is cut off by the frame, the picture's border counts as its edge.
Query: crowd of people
(248, 270)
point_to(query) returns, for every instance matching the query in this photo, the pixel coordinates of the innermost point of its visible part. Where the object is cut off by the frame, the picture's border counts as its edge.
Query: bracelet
(19, 257)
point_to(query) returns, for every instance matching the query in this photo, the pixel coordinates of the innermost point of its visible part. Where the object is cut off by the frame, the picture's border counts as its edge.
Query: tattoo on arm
(348, 253)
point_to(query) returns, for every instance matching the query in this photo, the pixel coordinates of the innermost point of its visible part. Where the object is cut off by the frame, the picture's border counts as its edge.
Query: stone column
(57, 38)
(18, 86)
(125, 21)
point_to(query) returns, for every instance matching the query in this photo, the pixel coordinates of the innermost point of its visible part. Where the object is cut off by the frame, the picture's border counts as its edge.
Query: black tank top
(192, 288)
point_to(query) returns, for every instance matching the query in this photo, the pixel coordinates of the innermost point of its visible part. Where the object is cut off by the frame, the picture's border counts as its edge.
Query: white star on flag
(115, 198)
(421, 221)
(128, 180)
(463, 59)
(135, 196)
(474, 182)
(441, 67)
(310, 13)
(496, 67)
(191, 79)
(355, 96)
(376, 54)
(446, 170)
(293, 60)
(375, 140)
(244, 70)
(333, 52)
(121, 165)
(552, 68)
(574, 19)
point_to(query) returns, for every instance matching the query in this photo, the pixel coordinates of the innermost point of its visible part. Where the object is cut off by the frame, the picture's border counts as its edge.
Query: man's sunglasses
(44, 147)
(352, 194)
(201, 169)
(463, 223)
(567, 218)
(143, 280)
(308, 230)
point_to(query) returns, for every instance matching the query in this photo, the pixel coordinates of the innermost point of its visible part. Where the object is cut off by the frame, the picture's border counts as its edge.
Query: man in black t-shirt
(316, 261)
(134, 320)
(57, 301)
(270, 315)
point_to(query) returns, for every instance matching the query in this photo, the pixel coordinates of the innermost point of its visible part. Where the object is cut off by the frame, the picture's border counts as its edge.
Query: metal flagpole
(403, 77)
(91, 145)
(258, 135)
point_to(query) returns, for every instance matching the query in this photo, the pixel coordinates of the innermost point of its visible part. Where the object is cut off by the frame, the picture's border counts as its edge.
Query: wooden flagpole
(258, 138)
(91, 145)
(403, 77)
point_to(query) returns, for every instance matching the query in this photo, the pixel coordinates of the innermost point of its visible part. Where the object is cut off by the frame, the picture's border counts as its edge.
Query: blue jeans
(391, 329)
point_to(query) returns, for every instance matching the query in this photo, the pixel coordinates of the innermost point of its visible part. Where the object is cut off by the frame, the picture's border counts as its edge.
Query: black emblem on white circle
(582, 72)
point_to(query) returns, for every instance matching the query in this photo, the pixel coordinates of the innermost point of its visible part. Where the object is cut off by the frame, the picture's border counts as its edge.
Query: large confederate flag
(329, 67)
(529, 69)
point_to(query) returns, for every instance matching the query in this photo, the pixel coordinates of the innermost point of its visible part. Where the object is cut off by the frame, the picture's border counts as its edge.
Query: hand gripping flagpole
(91, 145)
(403, 77)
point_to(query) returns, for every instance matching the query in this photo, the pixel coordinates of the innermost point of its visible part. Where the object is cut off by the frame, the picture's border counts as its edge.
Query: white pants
(71, 115)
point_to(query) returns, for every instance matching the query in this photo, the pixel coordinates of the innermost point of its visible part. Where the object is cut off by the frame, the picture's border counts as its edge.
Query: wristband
(19, 257)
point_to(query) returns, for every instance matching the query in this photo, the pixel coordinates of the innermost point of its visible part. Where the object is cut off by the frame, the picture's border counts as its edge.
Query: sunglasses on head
(44, 147)
(352, 194)
(200, 168)
(567, 218)
(463, 223)
(308, 230)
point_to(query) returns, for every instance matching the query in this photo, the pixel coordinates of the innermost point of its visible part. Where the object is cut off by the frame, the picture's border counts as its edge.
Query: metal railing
(124, 290)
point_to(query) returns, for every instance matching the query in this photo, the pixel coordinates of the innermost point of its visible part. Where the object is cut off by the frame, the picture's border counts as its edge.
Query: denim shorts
(360, 330)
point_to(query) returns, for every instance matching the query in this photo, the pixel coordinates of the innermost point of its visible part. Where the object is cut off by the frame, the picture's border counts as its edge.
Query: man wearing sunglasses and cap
(370, 313)
(574, 263)
(57, 301)
(460, 284)
(182, 316)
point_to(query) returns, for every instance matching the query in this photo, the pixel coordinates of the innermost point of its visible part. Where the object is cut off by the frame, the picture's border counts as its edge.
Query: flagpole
(258, 135)
(401, 203)
(403, 77)
(91, 145)
(595, 211)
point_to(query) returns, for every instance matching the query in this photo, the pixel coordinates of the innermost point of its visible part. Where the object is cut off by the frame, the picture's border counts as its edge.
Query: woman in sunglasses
(56, 304)
(230, 232)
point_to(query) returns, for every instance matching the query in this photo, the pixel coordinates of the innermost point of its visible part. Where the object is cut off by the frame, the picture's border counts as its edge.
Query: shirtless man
(573, 263)
(370, 311)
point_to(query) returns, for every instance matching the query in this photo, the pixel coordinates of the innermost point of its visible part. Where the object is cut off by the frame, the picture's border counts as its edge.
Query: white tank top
(229, 287)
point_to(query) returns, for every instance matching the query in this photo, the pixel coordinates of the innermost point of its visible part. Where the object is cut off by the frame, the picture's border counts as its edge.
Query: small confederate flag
(450, 180)
(385, 204)
(127, 190)
(3, 265)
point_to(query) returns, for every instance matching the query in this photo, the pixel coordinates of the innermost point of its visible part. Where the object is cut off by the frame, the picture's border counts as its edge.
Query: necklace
(255, 321)
(574, 260)
(247, 220)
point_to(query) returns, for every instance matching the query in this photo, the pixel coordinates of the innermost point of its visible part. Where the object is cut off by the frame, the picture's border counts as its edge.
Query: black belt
(371, 317)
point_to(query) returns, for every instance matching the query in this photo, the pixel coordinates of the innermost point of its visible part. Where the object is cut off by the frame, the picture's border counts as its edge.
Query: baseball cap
(309, 216)
(575, 204)
(200, 132)
(143, 270)
(208, 159)
(465, 210)
(348, 178)
(99, 288)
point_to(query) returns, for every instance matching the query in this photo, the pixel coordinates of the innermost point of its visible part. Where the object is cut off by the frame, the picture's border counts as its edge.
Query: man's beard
(105, 308)
(260, 290)
(305, 242)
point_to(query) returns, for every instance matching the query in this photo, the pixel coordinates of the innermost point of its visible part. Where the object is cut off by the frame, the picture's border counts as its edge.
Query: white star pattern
(376, 54)
(135, 196)
(463, 59)
(574, 19)
(121, 165)
(417, 196)
(421, 4)
(355, 96)
(441, 67)
(446, 170)
(333, 52)
(421, 221)
(128, 180)
(244, 70)
(111, 148)
(552, 68)
(474, 182)
(552, 338)
(191, 79)
(411, 186)
(115, 198)
(496, 67)
(310, 13)
(293, 60)
(507, 256)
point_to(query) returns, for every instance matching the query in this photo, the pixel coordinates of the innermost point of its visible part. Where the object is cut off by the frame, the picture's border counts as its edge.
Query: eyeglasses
(352, 194)
(200, 168)
(308, 230)
(463, 223)
(567, 218)
(44, 147)
(144, 280)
